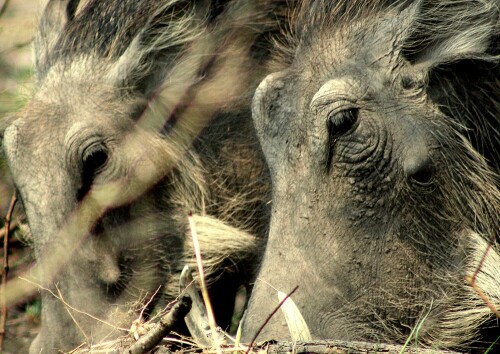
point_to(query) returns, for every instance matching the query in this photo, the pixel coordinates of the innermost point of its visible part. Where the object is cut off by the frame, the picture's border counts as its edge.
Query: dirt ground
(17, 26)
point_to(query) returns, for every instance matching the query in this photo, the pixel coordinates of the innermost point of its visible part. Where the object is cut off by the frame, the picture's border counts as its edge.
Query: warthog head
(380, 129)
(104, 161)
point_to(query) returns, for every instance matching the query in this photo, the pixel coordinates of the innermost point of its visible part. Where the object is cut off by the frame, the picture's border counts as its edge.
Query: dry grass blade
(203, 287)
(87, 338)
(197, 319)
(415, 331)
(237, 339)
(299, 331)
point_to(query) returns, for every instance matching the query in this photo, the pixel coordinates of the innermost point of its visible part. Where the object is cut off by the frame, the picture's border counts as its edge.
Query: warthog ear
(55, 16)
(184, 40)
(161, 42)
(455, 44)
(447, 31)
(264, 106)
(4, 124)
(468, 91)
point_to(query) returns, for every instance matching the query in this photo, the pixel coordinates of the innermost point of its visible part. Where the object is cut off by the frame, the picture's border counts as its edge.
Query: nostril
(109, 272)
(113, 275)
(418, 167)
(423, 176)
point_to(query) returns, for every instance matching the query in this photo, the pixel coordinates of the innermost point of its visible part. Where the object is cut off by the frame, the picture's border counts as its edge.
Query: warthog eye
(94, 159)
(339, 123)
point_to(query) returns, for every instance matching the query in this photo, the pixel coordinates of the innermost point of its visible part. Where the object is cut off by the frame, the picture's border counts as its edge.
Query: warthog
(108, 162)
(380, 127)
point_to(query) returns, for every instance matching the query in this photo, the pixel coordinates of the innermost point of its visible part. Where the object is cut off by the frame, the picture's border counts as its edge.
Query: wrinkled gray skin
(375, 126)
(90, 92)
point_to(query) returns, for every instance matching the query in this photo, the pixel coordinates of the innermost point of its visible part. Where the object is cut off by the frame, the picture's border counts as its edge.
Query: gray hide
(380, 127)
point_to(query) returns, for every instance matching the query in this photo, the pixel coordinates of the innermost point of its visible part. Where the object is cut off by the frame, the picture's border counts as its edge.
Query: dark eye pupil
(341, 122)
(93, 161)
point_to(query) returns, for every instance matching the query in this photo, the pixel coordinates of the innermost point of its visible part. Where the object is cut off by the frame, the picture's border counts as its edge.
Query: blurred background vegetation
(17, 27)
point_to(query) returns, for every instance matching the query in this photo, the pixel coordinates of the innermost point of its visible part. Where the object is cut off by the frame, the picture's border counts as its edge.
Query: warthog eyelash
(95, 161)
(94, 158)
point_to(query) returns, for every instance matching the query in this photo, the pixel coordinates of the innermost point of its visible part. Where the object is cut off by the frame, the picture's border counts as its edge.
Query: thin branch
(71, 307)
(269, 318)
(162, 328)
(5, 271)
(471, 280)
(477, 289)
(145, 306)
(481, 263)
(73, 317)
(16, 46)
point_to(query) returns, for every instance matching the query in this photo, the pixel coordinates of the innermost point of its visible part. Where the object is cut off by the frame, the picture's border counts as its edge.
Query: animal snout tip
(418, 166)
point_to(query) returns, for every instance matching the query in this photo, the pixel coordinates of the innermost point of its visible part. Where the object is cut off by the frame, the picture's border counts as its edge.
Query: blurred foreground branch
(11, 228)
(16, 46)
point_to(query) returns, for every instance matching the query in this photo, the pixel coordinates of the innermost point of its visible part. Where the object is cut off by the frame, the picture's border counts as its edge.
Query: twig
(73, 317)
(471, 280)
(204, 292)
(148, 303)
(5, 271)
(481, 263)
(162, 328)
(269, 318)
(477, 289)
(73, 308)
(16, 46)
(4, 7)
